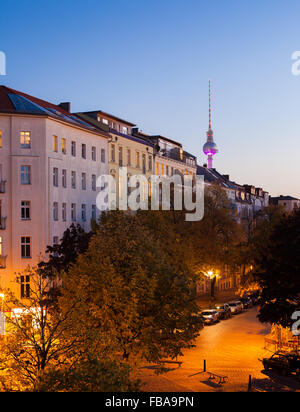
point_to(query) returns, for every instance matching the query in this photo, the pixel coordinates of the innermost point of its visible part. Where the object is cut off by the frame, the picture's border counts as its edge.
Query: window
(25, 286)
(144, 163)
(83, 151)
(157, 169)
(113, 153)
(55, 176)
(55, 144)
(125, 130)
(102, 155)
(162, 170)
(64, 178)
(167, 170)
(25, 175)
(94, 154)
(1, 244)
(120, 156)
(137, 160)
(64, 212)
(73, 212)
(94, 183)
(150, 163)
(55, 240)
(73, 149)
(25, 210)
(128, 157)
(26, 247)
(105, 121)
(83, 181)
(83, 213)
(0, 139)
(73, 180)
(55, 211)
(25, 140)
(94, 217)
(64, 146)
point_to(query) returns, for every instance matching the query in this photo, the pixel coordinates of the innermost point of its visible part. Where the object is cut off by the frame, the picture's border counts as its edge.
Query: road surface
(232, 348)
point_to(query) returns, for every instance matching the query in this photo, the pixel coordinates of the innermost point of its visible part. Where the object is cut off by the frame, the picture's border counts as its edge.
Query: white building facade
(49, 165)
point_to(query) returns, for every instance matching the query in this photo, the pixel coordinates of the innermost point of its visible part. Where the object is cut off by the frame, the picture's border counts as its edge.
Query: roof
(16, 102)
(96, 112)
(213, 176)
(167, 140)
(276, 199)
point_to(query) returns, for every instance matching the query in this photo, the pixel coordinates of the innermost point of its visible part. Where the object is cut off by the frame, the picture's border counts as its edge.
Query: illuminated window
(64, 146)
(55, 144)
(26, 247)
(162, 170)
(125, 130)
(120, 187)
(25, 140)
(25, 210)
(0, 139)
(105, 121)
(25, 286)
(25, 175)
(157, 169)
(1, 245)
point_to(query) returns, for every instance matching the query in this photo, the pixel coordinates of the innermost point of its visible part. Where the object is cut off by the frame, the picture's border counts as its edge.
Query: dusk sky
(150, 61)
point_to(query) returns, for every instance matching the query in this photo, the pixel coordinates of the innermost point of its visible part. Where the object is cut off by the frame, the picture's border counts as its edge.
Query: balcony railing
(3, 223)
(3, 262)
(2, 186)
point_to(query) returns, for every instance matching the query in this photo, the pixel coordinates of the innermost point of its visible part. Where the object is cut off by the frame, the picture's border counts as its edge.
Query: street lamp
(212, 277)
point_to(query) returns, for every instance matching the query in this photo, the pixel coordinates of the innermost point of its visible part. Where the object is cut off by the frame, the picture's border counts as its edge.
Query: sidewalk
(204, 301)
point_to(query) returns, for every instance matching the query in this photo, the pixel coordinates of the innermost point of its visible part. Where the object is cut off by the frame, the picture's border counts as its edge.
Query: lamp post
(212, 277)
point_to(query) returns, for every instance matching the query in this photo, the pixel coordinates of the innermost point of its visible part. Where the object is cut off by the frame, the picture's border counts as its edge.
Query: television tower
(210, 147)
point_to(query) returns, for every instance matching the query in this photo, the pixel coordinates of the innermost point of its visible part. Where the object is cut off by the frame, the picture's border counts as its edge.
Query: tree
(135, 300)
(40, 352)
(75, 241)
(277, 268)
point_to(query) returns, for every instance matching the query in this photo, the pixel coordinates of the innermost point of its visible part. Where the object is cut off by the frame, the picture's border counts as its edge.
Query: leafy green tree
(74, 242)
(277, 268)
(136, 296)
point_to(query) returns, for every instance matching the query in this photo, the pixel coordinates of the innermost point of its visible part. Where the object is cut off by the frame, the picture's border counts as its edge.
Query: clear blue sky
(149, 61)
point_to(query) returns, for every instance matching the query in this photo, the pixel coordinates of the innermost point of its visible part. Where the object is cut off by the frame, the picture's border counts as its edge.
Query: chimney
(66, 106)
(226, 177)
(205, 165)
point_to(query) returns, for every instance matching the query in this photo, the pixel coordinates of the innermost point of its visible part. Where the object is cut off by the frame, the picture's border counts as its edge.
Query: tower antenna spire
(209, 106)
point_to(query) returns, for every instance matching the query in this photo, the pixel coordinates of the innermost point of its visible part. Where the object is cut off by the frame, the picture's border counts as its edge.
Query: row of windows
(73, 179)
(25, 143)
(73, 212)
(139, 161)
(165, 170)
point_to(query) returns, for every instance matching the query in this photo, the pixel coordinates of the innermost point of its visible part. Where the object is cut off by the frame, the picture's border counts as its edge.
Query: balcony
(3, 262)
(2, 186)
(3, 223)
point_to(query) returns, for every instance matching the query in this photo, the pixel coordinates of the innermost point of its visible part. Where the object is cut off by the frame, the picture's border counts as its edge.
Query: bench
(171, 362)
(213, 376)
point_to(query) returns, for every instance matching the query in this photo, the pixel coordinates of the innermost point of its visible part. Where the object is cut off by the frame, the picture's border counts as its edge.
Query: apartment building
(126, 148)
(49, 164)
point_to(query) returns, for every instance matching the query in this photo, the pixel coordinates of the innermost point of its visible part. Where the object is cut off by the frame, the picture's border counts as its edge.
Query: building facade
(49, 164)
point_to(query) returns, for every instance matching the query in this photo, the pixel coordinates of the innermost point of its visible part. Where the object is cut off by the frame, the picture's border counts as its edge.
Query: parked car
(247, 302)
(285, 364)
(210, 316)
(254, 297)
(236, 307)
(224, 311)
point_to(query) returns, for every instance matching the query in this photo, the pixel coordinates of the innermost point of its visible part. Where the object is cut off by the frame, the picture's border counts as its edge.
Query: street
(230, 348)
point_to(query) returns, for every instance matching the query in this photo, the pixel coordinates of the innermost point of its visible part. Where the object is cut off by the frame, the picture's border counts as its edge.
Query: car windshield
(232, 304)
(206, 313)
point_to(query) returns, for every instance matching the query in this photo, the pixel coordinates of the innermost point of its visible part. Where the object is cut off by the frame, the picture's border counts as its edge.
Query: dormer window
(105, 121)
